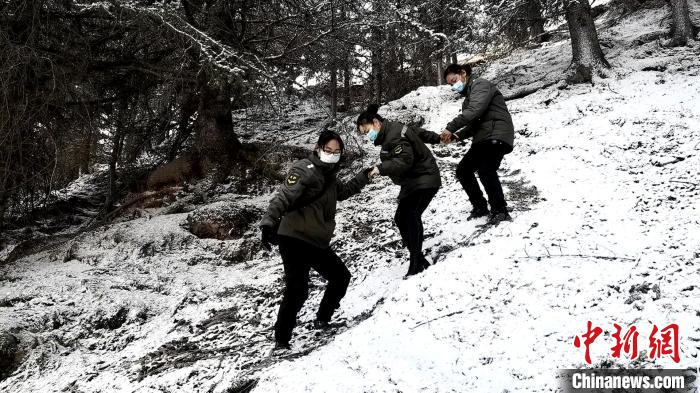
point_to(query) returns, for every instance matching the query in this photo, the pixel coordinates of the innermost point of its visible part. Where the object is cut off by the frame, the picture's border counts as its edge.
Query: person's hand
(446, 136)
(268, 237)
(373, 172)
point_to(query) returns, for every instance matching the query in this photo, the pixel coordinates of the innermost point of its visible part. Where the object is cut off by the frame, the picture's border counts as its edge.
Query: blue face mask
(372, 135)
(458, 87)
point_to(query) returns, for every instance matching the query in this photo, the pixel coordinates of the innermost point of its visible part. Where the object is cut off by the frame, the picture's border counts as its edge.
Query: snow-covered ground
(604, 186)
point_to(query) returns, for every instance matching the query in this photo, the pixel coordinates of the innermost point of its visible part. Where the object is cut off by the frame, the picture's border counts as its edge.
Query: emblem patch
(292, 179)
(398, 149)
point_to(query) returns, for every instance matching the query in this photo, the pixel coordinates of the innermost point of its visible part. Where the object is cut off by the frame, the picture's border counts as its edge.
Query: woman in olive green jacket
(301, 219)
(409, 163)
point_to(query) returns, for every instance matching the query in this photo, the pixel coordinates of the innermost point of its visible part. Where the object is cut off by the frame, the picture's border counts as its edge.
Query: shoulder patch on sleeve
(398, 149)
(293, 179)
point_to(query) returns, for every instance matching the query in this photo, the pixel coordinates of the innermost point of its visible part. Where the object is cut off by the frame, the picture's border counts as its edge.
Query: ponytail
(369, 115)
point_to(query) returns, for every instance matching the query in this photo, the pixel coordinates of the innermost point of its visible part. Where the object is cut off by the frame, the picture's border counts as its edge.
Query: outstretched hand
(374, 172)
(446, 137)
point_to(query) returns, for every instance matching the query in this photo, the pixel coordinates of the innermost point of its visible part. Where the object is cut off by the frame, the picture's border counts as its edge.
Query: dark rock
(637, 290)
(8, 354)
(658, 67)
(111, 322)
(223, 220)
(244, 386)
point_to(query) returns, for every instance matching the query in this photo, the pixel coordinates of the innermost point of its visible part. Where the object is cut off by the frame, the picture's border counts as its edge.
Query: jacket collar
(468, 86)
(386, 133)
(381, 135)
(390, 131)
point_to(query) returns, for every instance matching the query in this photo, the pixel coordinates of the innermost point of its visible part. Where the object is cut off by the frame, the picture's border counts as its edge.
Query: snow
(606, 159)
(603, 182)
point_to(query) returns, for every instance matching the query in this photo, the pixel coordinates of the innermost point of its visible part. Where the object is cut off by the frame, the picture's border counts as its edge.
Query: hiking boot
(496, 218)
(424, 262)
(478, 212)
(418, 264)
(323, 325)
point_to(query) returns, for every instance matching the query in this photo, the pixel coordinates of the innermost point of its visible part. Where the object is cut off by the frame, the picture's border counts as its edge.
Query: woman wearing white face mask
(301, 219)
(410, 164)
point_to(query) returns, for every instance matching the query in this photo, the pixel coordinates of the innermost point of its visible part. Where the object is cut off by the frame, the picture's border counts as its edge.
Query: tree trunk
(3, 208)
(587, 54)
(347, 72)
(215, 143)
(377, 72)
(117, 142)
(534, 16)
(334, 72)
(86, 149)
(334, 91)
(347, 99)
(377, 77)
(187, 110)
(682, 29)
(380, 80)
(133, 146)
(427, 67)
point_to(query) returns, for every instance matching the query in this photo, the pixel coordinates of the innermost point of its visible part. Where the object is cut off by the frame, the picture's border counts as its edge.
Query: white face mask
(328, 158)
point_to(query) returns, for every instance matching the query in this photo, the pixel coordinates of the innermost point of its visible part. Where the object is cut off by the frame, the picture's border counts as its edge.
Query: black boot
(478, 212)
(424, 262)
(496, 218)
(417, 264)
(325, 325)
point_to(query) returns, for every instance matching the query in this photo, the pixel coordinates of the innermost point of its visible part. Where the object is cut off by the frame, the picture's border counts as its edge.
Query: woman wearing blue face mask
(484, 118)
(409, 163)
(301, 219)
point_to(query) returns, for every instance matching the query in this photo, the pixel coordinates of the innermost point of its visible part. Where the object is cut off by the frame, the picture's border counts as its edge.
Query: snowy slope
(603, 182)
(617, 165)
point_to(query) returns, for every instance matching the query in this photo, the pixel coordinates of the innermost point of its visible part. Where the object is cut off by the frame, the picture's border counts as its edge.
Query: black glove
(269, 236)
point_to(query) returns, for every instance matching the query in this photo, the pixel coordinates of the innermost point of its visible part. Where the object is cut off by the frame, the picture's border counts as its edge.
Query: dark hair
(327, 136)
(369, 115)
(456, 69)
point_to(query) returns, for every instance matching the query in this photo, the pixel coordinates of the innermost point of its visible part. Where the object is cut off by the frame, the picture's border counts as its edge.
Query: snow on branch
(215, 52)
(442, 37)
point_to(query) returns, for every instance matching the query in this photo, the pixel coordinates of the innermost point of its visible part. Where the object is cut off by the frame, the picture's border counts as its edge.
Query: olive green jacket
(405, 157)
(305, 203)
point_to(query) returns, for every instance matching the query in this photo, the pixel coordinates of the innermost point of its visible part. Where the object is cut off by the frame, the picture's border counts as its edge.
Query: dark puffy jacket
(306, 202)
(484, 114)
(406, 159)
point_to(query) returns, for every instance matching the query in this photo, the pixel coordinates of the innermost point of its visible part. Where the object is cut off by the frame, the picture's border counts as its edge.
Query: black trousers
(298, 257)
(484, 158)
(408, 217)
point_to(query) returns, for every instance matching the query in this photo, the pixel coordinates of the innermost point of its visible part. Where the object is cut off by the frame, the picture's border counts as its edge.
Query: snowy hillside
(606, 197)
(614, 239)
